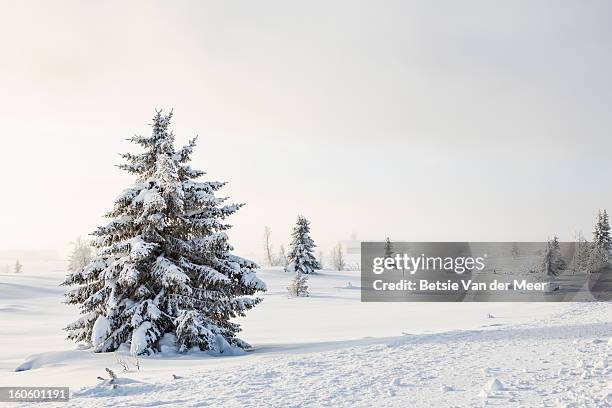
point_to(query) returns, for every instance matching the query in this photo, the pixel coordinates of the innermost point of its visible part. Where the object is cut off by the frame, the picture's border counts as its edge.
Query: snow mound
(100, 330)
(115, 387)
(494, 385)
(349, 285)
(12, 308)
(140, 338)
(50, 359)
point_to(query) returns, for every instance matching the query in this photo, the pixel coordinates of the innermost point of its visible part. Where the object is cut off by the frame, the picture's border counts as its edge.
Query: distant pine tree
(164, 263)
(601, 232)
(552, 261)
(389, 253)
(388, 249)
(602, 243)
(515, 252)
(18, 267)
(581, 256)
(301, 253)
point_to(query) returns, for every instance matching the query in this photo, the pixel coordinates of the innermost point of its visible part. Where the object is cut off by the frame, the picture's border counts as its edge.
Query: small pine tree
(18, 267)
(602, 243)
(598, 259)
(515, 252)
(301, 258)
(601, 232)
(389, 254)
(388, 248)
(581, 256)
(552, 262)
(164, 264)
(298, 286)
(81, 255)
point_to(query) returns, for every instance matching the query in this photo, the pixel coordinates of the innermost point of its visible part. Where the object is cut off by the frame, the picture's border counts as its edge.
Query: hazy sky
(418, 120)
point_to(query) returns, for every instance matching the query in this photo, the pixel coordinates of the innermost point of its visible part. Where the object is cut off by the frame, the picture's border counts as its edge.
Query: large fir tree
(301, 253)
(164, 263)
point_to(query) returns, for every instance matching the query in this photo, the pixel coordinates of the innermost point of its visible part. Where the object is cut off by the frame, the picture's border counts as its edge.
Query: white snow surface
(327, 350)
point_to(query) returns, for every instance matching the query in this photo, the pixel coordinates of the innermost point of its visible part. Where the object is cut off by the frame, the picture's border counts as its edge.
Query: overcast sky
(414, 120)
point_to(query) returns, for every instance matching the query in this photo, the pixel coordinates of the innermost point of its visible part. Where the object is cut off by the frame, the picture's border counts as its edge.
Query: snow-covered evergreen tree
(389, 254)
(388, 248)
(515, 251)
(81, 255)
(301, 257)
(601, 232)
(299, 285)
(164, 264)
(598, 259)
(552, 261)
(18, 267)
(602, 243)
(581, 256)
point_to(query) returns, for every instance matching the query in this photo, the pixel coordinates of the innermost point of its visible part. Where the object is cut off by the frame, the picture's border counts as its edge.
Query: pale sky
(420, 121)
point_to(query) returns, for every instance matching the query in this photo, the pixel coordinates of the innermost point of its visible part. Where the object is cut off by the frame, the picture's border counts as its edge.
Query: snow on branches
(301, 254)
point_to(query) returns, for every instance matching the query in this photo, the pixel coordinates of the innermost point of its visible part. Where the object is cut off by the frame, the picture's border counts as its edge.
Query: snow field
(329, 350)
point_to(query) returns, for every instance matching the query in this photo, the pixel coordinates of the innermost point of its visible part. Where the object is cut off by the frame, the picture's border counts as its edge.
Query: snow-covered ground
(329, 350)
